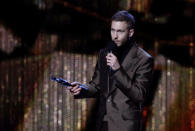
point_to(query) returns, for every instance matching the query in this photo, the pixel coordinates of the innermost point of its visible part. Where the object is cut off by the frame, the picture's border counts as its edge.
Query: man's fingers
(78, 89)
(69, 87)
(75, 88)
(76, 93)
(110, 55)
(109, 63)
(108, 58)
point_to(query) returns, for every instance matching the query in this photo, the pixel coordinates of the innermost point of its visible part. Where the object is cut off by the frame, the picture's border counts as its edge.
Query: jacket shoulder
(143, 54)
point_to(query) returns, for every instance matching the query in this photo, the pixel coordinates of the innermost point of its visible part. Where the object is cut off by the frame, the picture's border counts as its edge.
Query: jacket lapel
(129, 61)
(130, 58)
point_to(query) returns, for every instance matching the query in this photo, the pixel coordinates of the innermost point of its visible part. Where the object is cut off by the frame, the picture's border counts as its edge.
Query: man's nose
(115, 35)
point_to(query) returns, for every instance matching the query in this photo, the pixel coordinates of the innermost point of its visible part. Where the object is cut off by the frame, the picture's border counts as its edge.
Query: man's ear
(131, 32)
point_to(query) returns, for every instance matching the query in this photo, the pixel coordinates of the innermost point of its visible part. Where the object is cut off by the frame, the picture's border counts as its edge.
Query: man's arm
(93, 85)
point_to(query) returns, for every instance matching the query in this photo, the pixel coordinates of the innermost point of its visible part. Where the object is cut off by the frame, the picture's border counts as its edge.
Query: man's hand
(74, 89)
(112, 61)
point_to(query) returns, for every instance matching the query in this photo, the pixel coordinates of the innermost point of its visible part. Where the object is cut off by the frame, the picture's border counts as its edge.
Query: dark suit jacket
(120, 105)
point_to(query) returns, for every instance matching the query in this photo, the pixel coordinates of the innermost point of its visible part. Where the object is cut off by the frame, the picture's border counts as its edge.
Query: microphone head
(112, 48)
(61, 81)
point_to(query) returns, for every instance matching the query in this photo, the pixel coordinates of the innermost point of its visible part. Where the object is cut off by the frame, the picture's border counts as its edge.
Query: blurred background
(40, 38)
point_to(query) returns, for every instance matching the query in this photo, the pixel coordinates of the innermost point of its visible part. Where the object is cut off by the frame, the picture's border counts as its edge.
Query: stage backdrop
(173, 104)
(31, 101)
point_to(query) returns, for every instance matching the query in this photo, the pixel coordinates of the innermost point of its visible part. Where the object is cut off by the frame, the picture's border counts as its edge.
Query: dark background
(166, 21)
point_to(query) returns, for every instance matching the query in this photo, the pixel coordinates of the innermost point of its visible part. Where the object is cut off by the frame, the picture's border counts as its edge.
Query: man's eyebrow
(121, 30)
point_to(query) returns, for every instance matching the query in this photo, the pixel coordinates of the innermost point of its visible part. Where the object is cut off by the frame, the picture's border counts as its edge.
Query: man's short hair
(124, 16)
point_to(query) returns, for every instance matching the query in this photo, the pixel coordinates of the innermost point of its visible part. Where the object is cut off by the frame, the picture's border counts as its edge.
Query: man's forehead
(119, 24)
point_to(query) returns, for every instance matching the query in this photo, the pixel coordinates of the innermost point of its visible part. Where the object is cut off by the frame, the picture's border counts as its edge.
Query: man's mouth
(116, 41)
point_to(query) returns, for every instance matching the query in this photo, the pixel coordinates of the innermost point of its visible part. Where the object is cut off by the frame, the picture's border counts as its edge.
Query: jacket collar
(130, 57)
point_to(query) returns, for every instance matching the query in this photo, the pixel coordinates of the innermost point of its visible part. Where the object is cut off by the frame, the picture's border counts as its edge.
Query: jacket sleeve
(135, 86)
(94, 85)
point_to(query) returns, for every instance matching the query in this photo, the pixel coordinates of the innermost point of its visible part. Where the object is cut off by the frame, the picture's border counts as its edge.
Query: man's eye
(120, 31)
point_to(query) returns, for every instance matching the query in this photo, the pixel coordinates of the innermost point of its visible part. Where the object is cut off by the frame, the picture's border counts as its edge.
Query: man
(121, 79)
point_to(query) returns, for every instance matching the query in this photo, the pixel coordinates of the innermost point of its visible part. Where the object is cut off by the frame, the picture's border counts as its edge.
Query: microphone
(60, 81)
(65, 83)
(110, 68)
(112, 48)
